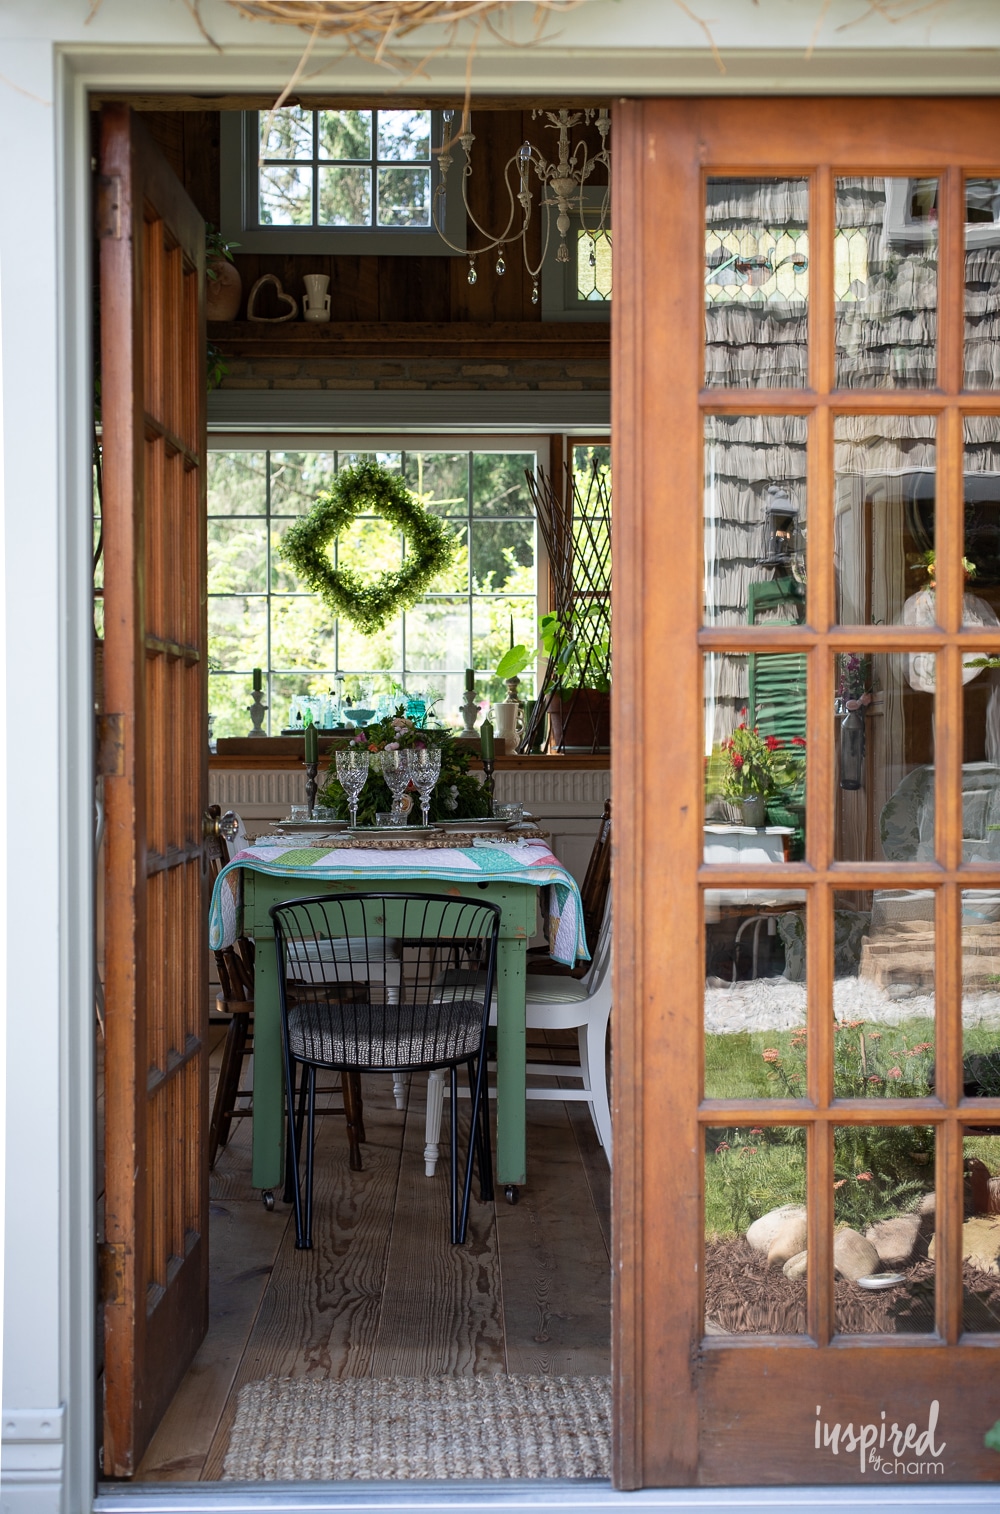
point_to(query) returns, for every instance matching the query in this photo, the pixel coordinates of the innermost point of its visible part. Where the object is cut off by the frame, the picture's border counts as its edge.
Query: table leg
(511, 1057)
(268, 1102)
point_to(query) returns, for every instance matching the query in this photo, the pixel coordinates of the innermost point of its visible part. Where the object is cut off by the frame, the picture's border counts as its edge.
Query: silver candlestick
(257, 711)
(470, 712)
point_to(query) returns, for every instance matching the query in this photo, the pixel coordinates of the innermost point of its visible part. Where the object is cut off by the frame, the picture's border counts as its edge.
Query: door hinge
(110, 746)
(111, 1272)
(109, 206)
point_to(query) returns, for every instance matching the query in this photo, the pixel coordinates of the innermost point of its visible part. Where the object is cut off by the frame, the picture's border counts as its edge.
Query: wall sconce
(781, 528)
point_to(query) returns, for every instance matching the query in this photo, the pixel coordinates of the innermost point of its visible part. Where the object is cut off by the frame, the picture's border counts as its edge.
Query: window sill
(285, 752)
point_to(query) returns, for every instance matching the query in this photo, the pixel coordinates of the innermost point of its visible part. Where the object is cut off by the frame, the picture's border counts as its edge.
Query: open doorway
(383, 1294)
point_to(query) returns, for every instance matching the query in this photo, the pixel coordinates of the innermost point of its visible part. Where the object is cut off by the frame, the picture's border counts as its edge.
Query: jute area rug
(413, 1427)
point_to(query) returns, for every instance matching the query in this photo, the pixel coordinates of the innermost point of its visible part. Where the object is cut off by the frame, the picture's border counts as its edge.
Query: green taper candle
(258, 680)
(311, 743)
(486, 740)
(470, 679)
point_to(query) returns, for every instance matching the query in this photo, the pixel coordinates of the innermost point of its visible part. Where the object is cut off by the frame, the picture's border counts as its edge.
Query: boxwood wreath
(368, 489)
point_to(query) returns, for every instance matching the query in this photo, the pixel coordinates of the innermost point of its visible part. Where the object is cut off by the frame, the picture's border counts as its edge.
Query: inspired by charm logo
(891, 1449)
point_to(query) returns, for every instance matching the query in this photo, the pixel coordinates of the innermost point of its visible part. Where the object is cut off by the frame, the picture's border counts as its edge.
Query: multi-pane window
(593, 264)
(349, 168)
(261, 616)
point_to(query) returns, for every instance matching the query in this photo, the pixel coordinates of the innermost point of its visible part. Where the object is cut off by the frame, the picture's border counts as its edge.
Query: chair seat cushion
(388, 1036)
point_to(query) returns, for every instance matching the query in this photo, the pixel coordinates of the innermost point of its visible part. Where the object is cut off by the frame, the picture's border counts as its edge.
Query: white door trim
(49, 1365)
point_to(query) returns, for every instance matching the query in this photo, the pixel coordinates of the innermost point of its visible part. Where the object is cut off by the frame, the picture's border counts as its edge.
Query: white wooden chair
(551, 1003)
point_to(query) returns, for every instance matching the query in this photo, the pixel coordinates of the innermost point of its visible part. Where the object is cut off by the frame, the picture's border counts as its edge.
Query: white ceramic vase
(316, 305)
(507, 719)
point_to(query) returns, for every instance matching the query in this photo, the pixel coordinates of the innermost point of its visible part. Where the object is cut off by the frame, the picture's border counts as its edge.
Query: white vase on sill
(316, 305)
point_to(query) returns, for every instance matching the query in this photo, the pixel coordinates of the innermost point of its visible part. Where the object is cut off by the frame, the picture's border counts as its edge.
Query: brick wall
(416, 373)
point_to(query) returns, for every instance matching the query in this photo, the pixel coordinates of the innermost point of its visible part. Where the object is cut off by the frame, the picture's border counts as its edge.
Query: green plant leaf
(992, 1437)
(513, 663)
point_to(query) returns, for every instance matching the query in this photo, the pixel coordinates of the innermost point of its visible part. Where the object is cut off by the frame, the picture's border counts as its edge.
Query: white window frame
(239, 216)
(465, 441)
(560, 300)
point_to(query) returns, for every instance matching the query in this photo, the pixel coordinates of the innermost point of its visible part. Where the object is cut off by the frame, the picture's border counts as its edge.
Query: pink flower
(392, 746)
(757, 1130)
(873, 1077)
(894, 1072)
(840, 1183)
(864, 1177)
(749, 1151)
(722, 1146)
(770, 1054)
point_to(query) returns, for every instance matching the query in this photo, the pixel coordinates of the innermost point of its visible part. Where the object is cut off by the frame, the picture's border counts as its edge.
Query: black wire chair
(331, 940)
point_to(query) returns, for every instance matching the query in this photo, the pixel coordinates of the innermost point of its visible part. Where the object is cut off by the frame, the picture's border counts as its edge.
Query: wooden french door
(154, 754)
(806, 446)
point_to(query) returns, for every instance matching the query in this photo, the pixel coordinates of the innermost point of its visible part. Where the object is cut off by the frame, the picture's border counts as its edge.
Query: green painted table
(518, 902)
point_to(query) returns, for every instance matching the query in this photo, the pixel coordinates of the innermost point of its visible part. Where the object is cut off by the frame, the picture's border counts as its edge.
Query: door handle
(216, 826)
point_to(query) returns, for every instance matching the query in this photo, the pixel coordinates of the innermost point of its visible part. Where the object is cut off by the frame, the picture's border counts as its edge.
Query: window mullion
(267, 576)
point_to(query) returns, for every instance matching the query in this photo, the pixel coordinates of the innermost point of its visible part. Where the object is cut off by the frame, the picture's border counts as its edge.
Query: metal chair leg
(453, 1147)
(486, 1183)
(291, 1164)
(293, 1147)
(310, 1074)
(481, 1128)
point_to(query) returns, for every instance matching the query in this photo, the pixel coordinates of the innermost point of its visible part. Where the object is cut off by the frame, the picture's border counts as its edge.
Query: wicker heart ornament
(288, 300)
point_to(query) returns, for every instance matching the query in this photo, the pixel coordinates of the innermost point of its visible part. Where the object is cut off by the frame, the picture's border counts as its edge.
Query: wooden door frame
(675, 1387)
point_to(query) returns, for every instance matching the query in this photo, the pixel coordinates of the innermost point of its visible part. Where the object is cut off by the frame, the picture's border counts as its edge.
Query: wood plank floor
(383, 1293)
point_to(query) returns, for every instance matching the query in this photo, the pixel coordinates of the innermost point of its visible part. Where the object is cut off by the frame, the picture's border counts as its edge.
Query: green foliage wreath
(368, 489)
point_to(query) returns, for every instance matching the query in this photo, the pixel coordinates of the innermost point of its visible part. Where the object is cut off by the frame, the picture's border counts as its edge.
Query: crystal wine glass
(395, 768)
(425, 770)
(352, 770)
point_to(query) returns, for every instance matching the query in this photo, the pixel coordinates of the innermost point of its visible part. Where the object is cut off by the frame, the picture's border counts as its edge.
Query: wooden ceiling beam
(321, 101)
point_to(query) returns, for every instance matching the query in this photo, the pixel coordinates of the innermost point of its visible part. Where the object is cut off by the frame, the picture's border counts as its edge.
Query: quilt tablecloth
(526, 862)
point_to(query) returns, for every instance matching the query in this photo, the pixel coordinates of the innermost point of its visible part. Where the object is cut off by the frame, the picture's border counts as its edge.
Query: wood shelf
(277, 753)
(423, 339)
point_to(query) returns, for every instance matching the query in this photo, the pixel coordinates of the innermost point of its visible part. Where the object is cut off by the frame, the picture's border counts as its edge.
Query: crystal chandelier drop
(559, 189)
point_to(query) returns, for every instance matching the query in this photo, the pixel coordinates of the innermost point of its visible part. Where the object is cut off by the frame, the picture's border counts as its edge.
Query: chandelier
(559, 188)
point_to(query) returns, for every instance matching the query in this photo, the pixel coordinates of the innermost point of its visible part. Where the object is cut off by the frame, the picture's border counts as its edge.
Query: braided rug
(404, 1428)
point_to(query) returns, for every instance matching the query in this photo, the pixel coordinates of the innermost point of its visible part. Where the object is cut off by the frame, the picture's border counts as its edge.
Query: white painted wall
(50, 52)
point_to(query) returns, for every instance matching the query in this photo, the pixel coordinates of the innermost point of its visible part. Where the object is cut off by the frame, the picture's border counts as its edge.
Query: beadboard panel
(266, 793)
(547, 795)
(257, 794)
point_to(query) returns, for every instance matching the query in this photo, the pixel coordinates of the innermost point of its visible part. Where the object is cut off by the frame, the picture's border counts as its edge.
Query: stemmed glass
(395, 769)
(352, 770)
(425, 770)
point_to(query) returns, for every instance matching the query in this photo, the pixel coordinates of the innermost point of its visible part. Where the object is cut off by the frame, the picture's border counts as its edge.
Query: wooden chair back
(597, 881)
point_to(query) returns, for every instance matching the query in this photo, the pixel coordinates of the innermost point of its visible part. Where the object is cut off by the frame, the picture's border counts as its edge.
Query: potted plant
(749, 769)
(578, 690)
(223, 285)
